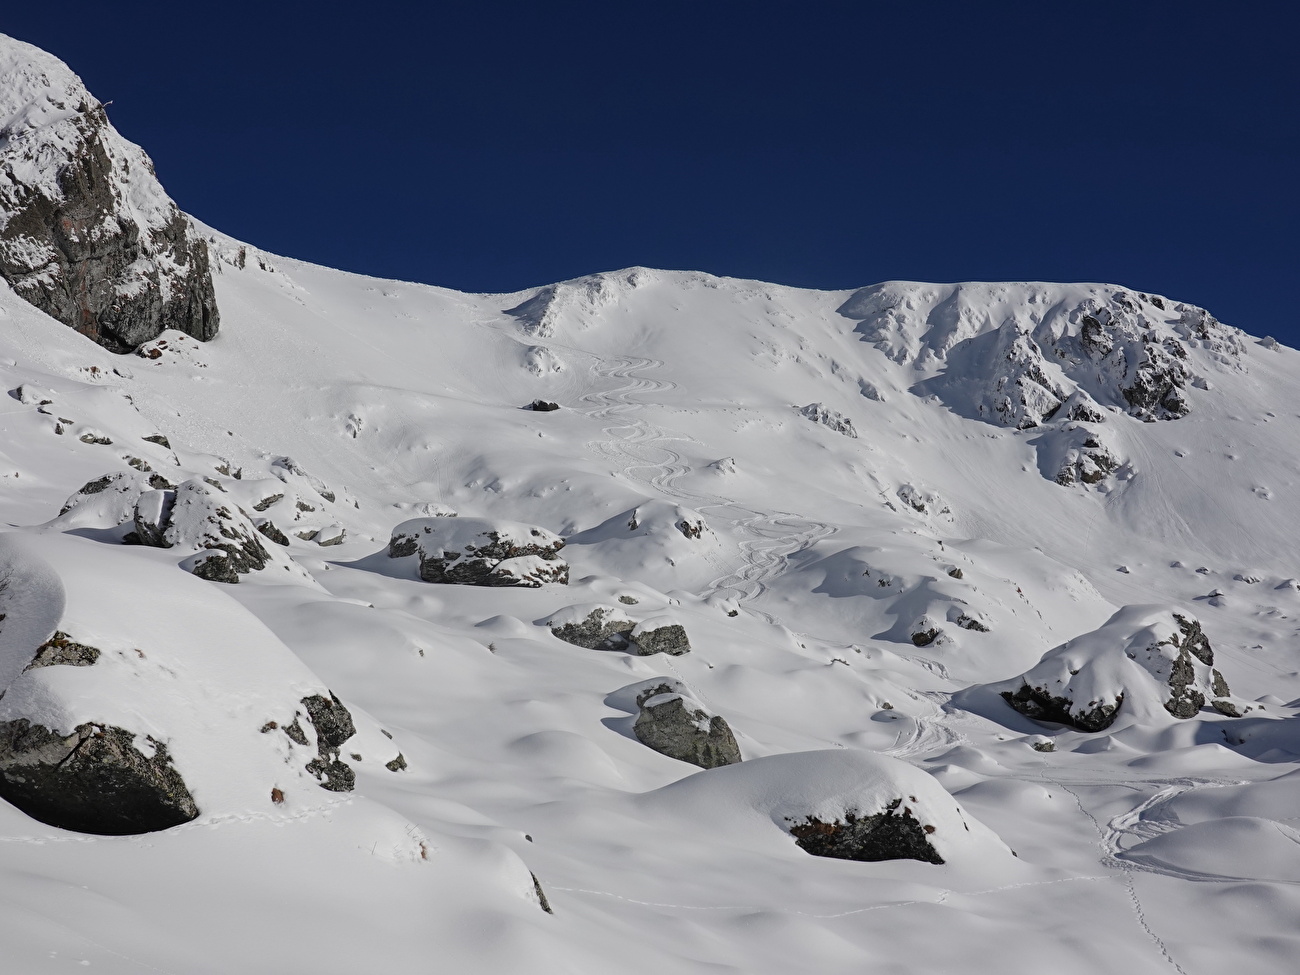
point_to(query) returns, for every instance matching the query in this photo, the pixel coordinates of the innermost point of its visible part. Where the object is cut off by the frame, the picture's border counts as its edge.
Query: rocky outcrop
(333, 725)
(479, 552)
(94, 780)
(87, 234)
(596, 627)
(195, 516)
(829, 418)
(676, 725)
(1144, 660)
(893, 834)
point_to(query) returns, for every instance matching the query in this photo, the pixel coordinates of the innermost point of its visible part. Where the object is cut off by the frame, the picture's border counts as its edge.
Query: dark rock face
(117, 270)
(542, 406)
(92, 781)
(541, 895)
(601, 630)
(1036, 703)
(334, 726)
(687, 733)
(890, 835)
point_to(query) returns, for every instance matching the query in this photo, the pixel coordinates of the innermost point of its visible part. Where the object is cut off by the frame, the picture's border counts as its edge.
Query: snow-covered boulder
(136, 698)
(87, 234)
(841, 803)
(673, 723)
(665, 545)
(196, 518)
(596, 627)
(1148, 660)
(480, 552)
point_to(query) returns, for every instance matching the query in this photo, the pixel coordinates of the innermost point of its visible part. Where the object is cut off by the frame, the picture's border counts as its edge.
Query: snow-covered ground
(870, 511)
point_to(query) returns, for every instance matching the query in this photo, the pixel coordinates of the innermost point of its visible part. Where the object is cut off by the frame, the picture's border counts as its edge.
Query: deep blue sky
(494, 146)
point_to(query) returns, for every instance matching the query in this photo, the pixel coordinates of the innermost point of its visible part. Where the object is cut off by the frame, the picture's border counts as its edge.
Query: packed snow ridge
(647, 621)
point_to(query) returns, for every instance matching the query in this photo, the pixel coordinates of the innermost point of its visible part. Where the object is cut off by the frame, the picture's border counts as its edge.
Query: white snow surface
(334, 401)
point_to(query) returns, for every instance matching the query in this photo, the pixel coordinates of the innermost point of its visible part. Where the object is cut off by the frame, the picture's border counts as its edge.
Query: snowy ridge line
(943, 895)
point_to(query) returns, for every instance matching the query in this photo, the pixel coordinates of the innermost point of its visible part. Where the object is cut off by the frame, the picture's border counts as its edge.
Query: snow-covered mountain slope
(865, 513)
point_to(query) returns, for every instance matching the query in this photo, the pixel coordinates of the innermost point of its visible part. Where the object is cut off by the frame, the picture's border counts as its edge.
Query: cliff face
(87, 234)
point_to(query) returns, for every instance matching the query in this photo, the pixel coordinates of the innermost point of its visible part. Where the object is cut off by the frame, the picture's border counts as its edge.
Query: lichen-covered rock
(1145, 660)
(480, 552)
(674, 724)
(593, 627)
(659, 634)
(87, 234)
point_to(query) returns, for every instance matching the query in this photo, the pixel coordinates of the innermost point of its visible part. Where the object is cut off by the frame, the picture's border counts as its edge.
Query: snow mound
(130, 645)
(785, 791)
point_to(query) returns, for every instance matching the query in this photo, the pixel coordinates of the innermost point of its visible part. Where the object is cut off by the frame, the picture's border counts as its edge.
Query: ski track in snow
(768, 539)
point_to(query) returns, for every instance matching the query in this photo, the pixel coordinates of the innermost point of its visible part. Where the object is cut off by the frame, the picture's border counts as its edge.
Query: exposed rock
(675, 725)
(967, 622)
(660, 634)
(93, 781)
(397, 764)
(268, 529)
(894, 834)
(600, 628)
(87, 234)
(1144, 659)
(479, 552)
(829, 418)
(332, 535)
(541, 895)
(193, 517)
(333, 724)
(60, 650)
(528, 571)
(542, 406)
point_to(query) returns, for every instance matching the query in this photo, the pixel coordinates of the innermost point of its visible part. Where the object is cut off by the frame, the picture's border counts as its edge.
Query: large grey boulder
(659, 634)
(94, 780)
(480, 552)
(87, 234)
(675, 724)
